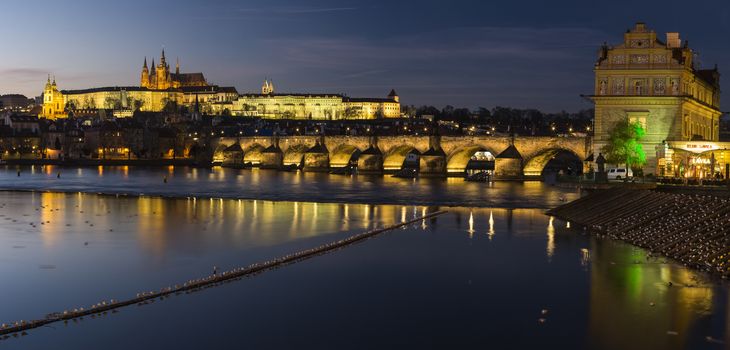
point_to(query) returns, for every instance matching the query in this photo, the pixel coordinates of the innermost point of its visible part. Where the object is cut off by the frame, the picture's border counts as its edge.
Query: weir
(692, 229)
(207, 281)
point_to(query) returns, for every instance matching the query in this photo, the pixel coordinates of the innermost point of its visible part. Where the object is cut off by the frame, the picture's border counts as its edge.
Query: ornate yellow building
(659, 85)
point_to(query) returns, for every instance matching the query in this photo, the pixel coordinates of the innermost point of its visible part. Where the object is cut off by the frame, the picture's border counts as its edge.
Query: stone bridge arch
(252, 153)
(294, 154)
(343, 149)
(343, 154)
(218, 152)
(396, 148)
(458, 160)
(394, 157)
(534, 166)
(539, 151)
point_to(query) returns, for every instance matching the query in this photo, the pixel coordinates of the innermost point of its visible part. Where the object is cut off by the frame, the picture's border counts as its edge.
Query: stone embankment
(692, 229)
(195, 284)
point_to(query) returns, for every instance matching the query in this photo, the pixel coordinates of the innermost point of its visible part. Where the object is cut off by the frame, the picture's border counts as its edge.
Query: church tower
(53, 101)
(145, 79)
(162, 73)
(267, 88)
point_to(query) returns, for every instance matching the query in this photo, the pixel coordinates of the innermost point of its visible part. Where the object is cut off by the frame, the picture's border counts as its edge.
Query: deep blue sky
(530, 53)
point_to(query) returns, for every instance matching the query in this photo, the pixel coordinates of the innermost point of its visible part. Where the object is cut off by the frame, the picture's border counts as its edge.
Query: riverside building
(658, 83)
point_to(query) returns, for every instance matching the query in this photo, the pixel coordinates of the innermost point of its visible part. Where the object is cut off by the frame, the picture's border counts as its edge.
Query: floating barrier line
(205, 281)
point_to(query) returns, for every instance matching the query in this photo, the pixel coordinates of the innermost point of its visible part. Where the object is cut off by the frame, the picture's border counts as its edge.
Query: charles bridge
(515, 157)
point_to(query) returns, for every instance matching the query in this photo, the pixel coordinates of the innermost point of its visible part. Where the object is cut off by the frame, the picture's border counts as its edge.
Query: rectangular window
(638, 119)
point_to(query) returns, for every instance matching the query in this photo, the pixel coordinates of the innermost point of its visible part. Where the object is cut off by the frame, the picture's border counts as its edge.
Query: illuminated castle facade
(159, 87)
(658, 84)
(272, 105)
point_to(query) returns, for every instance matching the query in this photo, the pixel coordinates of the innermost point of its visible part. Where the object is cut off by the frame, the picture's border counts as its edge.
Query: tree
(623, 145)
(137, 104)
(352, 113)
(170, 106)
(112, 103)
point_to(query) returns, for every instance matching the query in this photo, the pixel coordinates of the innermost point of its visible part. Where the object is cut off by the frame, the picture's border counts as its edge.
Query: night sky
(522, 54)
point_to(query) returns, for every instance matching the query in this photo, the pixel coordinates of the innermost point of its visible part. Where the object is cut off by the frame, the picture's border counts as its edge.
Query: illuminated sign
(699, 147)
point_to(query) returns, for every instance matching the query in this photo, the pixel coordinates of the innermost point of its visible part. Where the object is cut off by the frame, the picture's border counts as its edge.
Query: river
(493, 272)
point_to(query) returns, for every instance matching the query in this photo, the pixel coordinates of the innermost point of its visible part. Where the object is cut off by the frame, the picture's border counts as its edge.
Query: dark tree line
(510, 120)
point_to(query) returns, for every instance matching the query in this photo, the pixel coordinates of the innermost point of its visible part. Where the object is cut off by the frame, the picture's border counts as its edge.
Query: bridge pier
(432, 163)
(370, 161)
(508, 165)
(317, 158)
(272, 157)
(233, 155)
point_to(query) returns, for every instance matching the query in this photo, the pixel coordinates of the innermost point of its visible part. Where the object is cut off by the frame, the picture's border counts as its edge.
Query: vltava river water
(479, 276)
(278, 185)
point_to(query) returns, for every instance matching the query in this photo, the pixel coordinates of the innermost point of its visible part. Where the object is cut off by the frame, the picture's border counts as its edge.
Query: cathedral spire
(145, 62)
(177, 65)
(162, 58)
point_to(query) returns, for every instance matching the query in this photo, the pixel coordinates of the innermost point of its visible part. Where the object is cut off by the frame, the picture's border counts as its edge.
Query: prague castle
(159, 88)
(658, 84)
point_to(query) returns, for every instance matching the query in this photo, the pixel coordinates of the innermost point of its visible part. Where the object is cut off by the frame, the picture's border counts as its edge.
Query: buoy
(58, 176)
(164, 179)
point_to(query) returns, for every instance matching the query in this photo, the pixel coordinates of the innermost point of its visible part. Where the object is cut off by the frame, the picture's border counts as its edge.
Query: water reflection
(550, 238)
(492, 286)
(674, 302)
(491, 231)
(272, 185)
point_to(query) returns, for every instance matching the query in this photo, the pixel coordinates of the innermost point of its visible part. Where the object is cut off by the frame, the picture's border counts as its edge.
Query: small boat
(406, 173)
(481, 176)
(345, 170)
(290, 167)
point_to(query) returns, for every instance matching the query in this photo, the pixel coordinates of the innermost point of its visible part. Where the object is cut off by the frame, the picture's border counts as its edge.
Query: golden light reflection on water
(550, 238)
(423, 222)
(622, 285)
(491, 232)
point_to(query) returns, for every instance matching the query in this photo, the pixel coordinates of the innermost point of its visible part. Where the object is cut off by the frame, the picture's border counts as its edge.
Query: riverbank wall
(693, 229)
